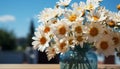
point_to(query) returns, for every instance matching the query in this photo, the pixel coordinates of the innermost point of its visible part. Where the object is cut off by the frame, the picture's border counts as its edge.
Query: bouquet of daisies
(67, 25)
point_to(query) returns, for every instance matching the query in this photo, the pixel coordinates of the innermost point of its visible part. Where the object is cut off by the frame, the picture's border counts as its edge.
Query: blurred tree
(7, 40)
(31, 33)
(21, 42)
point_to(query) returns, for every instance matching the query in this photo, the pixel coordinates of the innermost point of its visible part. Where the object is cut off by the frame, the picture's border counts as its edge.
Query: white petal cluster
(67, 25)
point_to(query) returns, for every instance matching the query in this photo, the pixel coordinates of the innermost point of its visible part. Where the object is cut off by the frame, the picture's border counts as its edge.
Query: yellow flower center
(116, 40)
(90, 7)
(53, 50)
(104, 45)
(47, 29)
(94, 31)
(78, 29)
(118, 7)
(62, 45)
(111, 23)
(96, 18)
(43, 40)
(62, 30)
(72, 17)
(79, 38)
(79, 8)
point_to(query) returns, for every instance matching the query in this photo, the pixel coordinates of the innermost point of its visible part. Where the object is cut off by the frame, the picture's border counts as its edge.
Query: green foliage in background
(7, 40)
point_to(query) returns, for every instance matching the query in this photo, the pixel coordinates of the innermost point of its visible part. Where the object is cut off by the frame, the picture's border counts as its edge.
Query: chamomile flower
(79, 40)
(91, 4)
(40, 41)
(77, 28)
(49, 13)
(95, 31)
(71, 40)
(51, 52)
(73, 17)
(105, 46)
(44, 28)
(61, 29)
(62, 45)
(116, 39)
(45, 15)
(63, 2)
(96, 16)
(79, 8)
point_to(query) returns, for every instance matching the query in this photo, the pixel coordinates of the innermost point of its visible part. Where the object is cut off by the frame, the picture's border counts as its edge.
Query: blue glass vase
(79, 58)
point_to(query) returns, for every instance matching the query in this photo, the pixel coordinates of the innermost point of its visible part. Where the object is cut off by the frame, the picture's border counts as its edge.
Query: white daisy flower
(79, 39)
(91, 4)
(77, 28)
(95, 16)
(51, 52)
(105, 46)
(112, 19)
(95, 31)
(49, 13)
(79, 8)
(115, 17)
(73, 17)
(116, 39)
(61, 29)
(40, 41)
(63, 2)
(45, 15)
(62, 45)
(44, 28)
(71, 41)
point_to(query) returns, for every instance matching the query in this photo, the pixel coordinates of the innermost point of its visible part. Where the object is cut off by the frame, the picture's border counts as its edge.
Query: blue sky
(16, 14)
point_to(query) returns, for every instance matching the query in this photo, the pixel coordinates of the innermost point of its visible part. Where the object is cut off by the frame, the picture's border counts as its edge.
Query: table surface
(48, 66)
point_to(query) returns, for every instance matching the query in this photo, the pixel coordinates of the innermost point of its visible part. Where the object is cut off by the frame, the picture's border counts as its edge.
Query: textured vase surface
(78, 58)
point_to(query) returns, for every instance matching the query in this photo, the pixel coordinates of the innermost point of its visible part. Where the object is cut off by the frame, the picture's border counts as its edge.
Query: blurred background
(18, 20)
